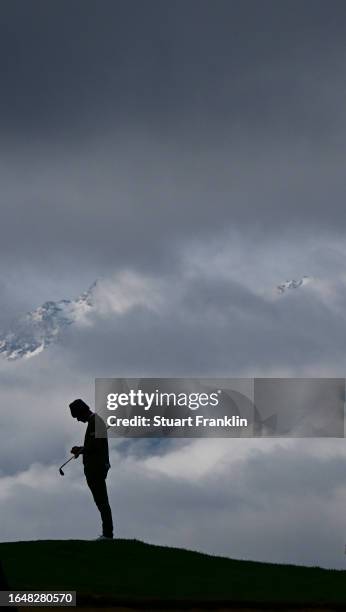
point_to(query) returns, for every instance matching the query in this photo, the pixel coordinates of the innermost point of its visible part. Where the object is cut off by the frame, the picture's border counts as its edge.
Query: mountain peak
(41, 327)
(292, 284)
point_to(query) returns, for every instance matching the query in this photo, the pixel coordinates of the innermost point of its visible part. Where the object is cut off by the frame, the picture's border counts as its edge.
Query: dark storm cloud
(87, 214)
(64, 64)
(130, 129)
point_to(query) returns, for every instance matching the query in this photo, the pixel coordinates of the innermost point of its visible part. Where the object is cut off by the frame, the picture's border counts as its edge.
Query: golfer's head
(80, 410)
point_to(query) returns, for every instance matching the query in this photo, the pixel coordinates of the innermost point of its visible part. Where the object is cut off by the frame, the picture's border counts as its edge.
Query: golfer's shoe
(102, 537)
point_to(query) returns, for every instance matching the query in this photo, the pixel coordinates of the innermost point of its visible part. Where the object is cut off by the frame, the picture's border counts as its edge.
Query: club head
(61, 472)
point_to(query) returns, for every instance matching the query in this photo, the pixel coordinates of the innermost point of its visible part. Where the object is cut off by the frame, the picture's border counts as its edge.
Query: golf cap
(78, 408)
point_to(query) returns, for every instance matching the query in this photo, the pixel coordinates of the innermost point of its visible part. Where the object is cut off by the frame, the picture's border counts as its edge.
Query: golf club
(70, 459)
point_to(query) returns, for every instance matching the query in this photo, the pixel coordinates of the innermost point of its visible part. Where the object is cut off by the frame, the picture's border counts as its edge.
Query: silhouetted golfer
(96, 462)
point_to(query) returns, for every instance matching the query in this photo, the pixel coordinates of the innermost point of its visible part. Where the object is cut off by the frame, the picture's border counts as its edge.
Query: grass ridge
(135, 571)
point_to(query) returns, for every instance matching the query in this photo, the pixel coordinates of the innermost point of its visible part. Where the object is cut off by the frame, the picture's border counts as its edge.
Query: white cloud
(125, 290)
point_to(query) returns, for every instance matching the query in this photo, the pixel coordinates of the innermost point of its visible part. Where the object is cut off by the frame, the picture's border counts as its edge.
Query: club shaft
(68, 461)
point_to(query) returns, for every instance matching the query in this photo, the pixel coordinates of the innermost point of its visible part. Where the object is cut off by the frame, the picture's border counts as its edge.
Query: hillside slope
(132, 571)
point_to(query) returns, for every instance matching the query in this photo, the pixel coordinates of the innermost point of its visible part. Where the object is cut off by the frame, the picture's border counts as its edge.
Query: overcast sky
(190, 154)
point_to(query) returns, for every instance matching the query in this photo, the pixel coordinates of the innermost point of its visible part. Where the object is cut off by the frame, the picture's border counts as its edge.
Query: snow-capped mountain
(33, 332)
(292, 284)
(41, 327)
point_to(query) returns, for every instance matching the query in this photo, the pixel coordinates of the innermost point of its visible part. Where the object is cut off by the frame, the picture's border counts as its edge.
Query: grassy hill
(132, 571)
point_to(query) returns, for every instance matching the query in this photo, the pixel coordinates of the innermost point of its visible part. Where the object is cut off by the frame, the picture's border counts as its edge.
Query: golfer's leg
(105, 510)
(92, 484)
(97, 485)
